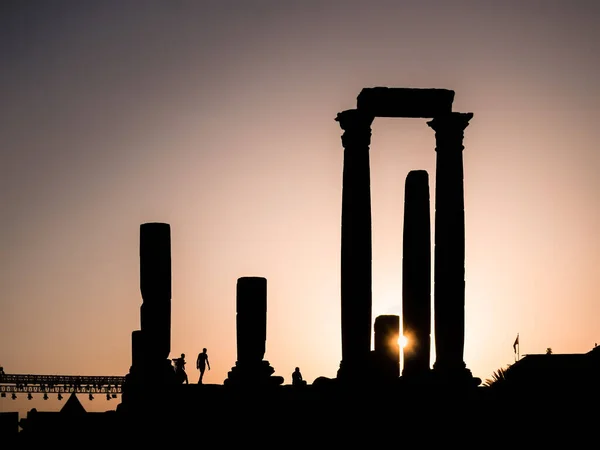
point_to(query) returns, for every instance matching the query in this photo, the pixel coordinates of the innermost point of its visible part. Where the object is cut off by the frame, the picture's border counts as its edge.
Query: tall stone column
(251, 318)
(416, 275)
(155, 286)
(356, 253)
(449, 252)
(151, 345)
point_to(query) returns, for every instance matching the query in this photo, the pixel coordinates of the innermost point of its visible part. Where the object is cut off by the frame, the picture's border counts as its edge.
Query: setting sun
(402, 341)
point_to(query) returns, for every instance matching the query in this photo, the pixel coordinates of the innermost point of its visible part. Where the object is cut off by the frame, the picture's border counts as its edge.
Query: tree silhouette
(498, 378)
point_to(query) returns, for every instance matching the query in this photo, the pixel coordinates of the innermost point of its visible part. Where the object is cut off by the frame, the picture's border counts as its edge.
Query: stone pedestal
(386, 356)
(252, 374)
(356, 294)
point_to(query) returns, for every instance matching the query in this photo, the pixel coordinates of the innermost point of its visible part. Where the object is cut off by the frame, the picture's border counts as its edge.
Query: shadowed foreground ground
(290, 416)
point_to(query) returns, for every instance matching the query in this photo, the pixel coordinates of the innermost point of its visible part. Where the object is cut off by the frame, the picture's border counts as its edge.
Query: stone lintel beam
(405, 102)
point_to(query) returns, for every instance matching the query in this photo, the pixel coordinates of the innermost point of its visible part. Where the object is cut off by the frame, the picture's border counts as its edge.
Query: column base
(417, 378)
(359, 372)
(143, 378)
(454, 376)
(259, 373)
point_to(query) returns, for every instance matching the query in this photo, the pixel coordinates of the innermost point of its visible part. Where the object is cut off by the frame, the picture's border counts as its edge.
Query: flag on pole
(516, 343)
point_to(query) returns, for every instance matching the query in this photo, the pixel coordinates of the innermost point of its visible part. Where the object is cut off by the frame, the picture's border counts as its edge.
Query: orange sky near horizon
(219, 120)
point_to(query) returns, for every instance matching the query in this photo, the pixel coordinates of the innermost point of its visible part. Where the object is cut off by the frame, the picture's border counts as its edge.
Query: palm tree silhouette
(498, 378)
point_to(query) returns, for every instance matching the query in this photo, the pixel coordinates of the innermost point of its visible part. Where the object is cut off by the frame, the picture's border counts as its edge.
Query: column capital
(352, 119)
(357, 128)
(454, 121)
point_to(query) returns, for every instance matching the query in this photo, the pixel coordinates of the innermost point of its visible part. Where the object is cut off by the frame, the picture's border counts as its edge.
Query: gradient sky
(218, 118)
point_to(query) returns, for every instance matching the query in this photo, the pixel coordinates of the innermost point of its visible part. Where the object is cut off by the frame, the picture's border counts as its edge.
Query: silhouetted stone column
(449, 253)
(138, 349)
(155, 286)
(150, 346)
(416, 274)
(356, 244)
(251, 318)
(387, 348)
(251, 326)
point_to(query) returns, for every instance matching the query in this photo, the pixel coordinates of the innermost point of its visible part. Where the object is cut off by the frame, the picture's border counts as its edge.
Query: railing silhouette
(60, 384)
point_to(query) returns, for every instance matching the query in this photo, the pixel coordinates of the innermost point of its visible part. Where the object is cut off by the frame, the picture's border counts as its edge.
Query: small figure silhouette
(297, 378)
(202, 363)
(180, 369)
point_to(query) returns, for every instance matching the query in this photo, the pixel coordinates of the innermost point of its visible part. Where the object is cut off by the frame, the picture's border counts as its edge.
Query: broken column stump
(251, 325)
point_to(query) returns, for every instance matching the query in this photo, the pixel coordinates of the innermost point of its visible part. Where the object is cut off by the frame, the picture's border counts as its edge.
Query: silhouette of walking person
(180, 368)
(297, 379)
(202, 363)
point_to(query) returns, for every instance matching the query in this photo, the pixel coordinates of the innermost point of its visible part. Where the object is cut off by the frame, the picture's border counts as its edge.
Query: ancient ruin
(356, 246)
(360, 367)
(449, 256)
(386, 356)
(151, 345)
(356, 249)
(369, 400)
(416, 275)
(251, 324)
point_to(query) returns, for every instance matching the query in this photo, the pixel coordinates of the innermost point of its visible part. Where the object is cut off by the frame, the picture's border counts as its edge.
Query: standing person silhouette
(202, 363)
(180, 368)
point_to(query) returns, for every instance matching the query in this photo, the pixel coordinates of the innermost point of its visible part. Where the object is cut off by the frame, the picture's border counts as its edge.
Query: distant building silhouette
(552, 371)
